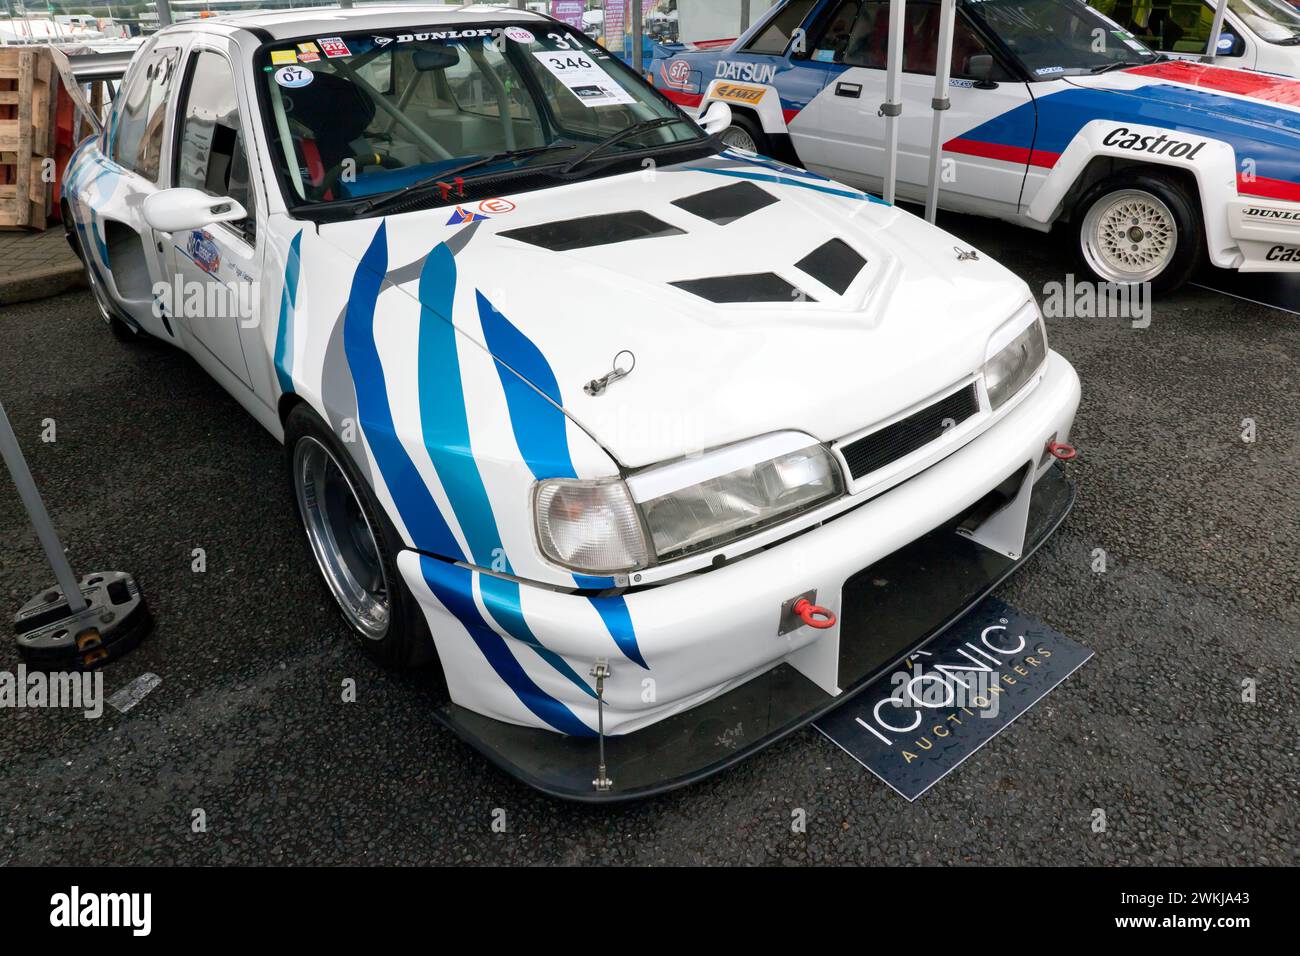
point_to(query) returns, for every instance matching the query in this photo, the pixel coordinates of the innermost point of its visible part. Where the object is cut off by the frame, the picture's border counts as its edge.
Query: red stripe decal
(1268, 188)
(682, 99)
(1009, 154)
(1258, 85)
(789, 115)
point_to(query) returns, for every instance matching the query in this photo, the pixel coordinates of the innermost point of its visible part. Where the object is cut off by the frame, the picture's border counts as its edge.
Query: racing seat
(335, 113)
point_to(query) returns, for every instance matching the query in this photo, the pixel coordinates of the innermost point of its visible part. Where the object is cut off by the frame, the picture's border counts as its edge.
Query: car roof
(286, 24)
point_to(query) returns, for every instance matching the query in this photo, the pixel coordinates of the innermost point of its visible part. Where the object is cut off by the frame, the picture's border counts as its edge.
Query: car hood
(586, 271)
(1220, 96)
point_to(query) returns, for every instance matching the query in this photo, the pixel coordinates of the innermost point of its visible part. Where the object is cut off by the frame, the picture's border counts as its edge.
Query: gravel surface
(1201, 591)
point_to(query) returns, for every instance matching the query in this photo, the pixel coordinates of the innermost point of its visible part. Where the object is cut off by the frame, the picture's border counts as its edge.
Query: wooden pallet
(28, 97)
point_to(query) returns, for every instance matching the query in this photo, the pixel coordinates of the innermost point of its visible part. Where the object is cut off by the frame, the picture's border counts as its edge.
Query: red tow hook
(1061, 451)
(814, 615)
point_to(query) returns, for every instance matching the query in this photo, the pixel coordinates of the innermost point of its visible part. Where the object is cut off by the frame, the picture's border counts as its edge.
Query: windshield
(366, 115)
(1276, 21)
(1058, 37)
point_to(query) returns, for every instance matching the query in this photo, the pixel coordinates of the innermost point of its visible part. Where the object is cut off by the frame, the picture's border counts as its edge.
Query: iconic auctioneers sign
(568, 11)
(911, 727)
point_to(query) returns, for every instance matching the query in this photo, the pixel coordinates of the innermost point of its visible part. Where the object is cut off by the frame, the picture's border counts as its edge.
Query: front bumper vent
(889, 444)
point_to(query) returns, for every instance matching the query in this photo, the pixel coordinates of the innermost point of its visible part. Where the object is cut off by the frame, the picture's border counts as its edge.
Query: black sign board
(911, 727)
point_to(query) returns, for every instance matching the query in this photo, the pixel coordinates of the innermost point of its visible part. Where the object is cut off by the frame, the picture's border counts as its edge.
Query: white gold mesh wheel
(738, 138)
(1129, 236)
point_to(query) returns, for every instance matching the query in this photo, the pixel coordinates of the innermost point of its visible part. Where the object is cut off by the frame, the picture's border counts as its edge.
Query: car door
(988, 130)
(215, 269)
(130, 170)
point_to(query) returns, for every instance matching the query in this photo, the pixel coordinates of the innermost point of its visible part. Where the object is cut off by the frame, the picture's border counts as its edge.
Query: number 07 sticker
(583, 78)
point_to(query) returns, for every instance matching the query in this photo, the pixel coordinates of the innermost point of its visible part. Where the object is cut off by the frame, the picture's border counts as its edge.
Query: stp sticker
(678, 73)
(496, 206)
(334, 46)
(282, 57)
(519, 35)
(293, 76)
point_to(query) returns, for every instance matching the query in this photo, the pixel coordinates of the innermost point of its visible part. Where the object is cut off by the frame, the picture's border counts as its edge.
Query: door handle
(852, 90)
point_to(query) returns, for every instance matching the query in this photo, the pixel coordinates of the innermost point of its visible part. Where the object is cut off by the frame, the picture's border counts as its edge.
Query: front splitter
(888, 610)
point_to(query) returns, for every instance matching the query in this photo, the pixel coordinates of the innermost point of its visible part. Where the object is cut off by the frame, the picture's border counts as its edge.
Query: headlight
(1011, 364)
(695, 504)
(700, 503)
(589, 526)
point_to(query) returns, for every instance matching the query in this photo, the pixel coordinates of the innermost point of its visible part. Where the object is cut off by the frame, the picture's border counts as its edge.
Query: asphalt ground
(1201, 591)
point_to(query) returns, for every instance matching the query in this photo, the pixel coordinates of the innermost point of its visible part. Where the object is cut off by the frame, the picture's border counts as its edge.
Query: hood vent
(591, 231)
(726, 204)
(762, 287)
(835, 265)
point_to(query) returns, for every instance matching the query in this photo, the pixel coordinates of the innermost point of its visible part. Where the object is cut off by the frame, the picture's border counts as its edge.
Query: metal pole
(1212, 50)
(940, 104)
(40, 518)
(744, 16)
(345, 4)
(892, 108)
(164, 13)
(638, 28)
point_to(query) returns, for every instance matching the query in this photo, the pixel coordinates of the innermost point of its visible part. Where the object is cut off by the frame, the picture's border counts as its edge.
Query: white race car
(663, 449)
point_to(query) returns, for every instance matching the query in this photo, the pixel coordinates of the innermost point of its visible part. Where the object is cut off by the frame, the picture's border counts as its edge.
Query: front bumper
(700, 676)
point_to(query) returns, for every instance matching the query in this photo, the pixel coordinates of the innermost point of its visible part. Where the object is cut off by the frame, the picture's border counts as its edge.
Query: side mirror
(716, 118)
(981, 67)
(182, 209)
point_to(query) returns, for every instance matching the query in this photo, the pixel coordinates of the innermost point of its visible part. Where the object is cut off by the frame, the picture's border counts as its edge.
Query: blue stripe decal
(447, 438)
(442, 412)
(288, 302)
(539, 426)
(501, 598)
(618, 621)
(786, 181)
(453, 586)
(414, 503)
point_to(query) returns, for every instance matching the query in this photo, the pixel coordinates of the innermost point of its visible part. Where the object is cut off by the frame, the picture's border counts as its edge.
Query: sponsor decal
(746, 72)
(1162, 145)
(957, 693)
(739, 93)
(294, 77)
(283, 57)
(1261, 212)
(1049, 70)
(519, 35)
(204, 251)
(1283, 254)
(824, 56)
(462, 216)
(306, 56)
(441, 35)
(583, 78)
(335, 47)
(677, 73)
(496, 207)
(382, 41)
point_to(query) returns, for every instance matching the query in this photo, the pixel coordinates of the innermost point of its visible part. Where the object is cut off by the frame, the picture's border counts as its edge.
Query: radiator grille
(900, 439)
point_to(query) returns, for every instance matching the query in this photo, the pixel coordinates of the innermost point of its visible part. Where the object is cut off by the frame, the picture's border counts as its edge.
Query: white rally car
(1056, 115)
(659, 448)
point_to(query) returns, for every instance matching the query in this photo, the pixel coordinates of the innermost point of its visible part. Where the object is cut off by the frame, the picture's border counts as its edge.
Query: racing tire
(353, 544)
(744, 133)
(1139, 227)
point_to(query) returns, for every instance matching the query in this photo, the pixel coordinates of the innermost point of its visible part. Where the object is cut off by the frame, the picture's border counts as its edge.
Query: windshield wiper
(644, 126)
(1119, 65)
(443, 177)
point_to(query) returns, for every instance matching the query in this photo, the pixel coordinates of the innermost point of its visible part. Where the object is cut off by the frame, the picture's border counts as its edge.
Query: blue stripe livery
(288, 302)
(414, 502)
(453, 586)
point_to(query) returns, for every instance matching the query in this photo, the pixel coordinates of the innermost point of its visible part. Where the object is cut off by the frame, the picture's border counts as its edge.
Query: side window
(137, 134)
(776, 36)
(867, 42)
(210, 155)
(1175, 26)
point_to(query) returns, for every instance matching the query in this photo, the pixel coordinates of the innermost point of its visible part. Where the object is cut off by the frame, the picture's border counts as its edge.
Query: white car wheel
(739, 138)
(1129, 236)
(341, 539)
